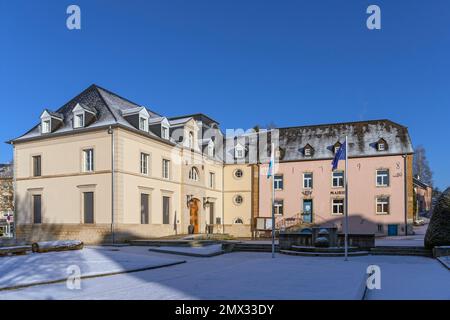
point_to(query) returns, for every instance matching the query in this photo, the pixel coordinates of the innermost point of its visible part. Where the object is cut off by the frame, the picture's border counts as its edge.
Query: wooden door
(193, 212)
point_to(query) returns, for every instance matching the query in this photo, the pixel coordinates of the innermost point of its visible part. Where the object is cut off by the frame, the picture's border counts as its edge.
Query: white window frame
(278, 180)
(212, 180)
(211, 149)
(381, 146)
(338, 178)
(77, 121)
(383, 201)
(308, 183)
(337, 206)
(46, 125)
(164, 132)
(307, 152)
(143, 123)
(383, 177)
(166, 169)
(88, 160)
(239, 152)
(144, 163)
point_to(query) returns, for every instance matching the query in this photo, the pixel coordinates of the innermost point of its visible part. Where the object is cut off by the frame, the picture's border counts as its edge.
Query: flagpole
(273, 200)
(346, 200)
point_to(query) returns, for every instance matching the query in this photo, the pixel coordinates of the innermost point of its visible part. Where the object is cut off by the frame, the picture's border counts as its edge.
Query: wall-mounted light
(206, 202)
(188, 199)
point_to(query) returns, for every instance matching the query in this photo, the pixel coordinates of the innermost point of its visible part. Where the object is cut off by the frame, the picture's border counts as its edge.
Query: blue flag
(340, 155)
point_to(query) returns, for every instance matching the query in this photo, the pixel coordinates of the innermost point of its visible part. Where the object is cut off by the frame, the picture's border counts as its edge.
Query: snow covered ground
(247, 275)
(52, 266)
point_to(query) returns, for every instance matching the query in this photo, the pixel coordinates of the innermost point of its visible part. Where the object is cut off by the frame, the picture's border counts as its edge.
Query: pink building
(379, 177)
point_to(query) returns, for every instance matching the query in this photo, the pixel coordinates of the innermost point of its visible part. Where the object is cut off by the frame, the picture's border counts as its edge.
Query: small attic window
(211, 149)
(78, 120)
(336, 147)
(382, 145)
(239, 152)
(46, 125)
(308, 151)
(143, 123)
(164, 132)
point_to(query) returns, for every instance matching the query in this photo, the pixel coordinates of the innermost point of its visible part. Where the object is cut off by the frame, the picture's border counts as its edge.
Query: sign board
(263, 224)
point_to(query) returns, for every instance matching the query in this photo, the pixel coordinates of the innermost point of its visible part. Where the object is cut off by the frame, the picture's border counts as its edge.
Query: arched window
(238, 221)
(193, 174)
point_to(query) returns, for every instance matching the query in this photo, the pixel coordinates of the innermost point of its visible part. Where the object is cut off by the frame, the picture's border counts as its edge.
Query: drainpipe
(111, 132)
(405, 182)
(14, 195)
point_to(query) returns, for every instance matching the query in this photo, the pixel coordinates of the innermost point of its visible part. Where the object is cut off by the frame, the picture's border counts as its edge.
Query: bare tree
(421, 167)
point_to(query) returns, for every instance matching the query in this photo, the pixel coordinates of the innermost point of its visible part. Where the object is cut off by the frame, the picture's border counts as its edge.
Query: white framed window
(164, 132)
(191, 140)
(238, 199)
(308, 152)
(46, 126)
(144, 163)
(193, 174)
(381, 146)
(337, 206)
(212, 180)
(166, 169)
(383, 178)
(307, 180)
(278, 207)
(78, 120)
(143, 124)
(88, 160)
(382, 205)
(239, 152)
(238, 173)
(211, 150)
(338, 179)
(278, 182)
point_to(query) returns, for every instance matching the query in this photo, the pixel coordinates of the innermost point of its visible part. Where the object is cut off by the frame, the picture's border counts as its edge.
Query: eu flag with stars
(340, 155)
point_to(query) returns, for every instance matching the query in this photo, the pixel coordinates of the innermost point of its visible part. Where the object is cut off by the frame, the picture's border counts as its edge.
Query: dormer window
(143, 123)
(308, 151)
(50, 121)
(191, 140)
(137, 117)
(46, 126)
(336, 147)
(239, 152)
(164, 132)
(79, 120)
(211, 149)
(83, 116)
(382, 145)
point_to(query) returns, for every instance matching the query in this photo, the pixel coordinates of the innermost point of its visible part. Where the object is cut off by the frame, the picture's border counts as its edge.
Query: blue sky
(242, 62)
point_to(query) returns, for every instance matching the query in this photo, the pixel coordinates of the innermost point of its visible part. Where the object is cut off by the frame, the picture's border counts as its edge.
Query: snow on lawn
(44, 267)
(194, 251)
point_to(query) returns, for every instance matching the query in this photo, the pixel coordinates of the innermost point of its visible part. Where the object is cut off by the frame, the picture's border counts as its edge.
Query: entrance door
(193, 212)
(307, 210)
(392, 230)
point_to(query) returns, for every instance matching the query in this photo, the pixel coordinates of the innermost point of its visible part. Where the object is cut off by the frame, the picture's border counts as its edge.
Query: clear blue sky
(242, 62)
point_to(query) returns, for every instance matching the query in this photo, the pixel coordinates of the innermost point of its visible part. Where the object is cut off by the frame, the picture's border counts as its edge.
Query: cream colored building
(102, 163)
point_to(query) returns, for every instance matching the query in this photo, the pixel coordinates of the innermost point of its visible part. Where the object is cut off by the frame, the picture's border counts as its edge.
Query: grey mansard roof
(107, 106)
(363, 137)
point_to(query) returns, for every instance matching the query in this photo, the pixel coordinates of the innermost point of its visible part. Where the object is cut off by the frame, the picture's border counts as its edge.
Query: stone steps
(324, 254)
(325, 250)
(255, 247)
(172, 243)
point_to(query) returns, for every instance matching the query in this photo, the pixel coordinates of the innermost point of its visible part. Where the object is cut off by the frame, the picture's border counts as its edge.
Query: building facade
(103, 166)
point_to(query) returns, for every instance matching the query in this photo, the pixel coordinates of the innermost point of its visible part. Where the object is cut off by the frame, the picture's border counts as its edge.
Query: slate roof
(108, 107)
(362, 139)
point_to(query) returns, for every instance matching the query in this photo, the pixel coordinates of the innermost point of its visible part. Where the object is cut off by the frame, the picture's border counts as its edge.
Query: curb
(197, 255)
(20, 286)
